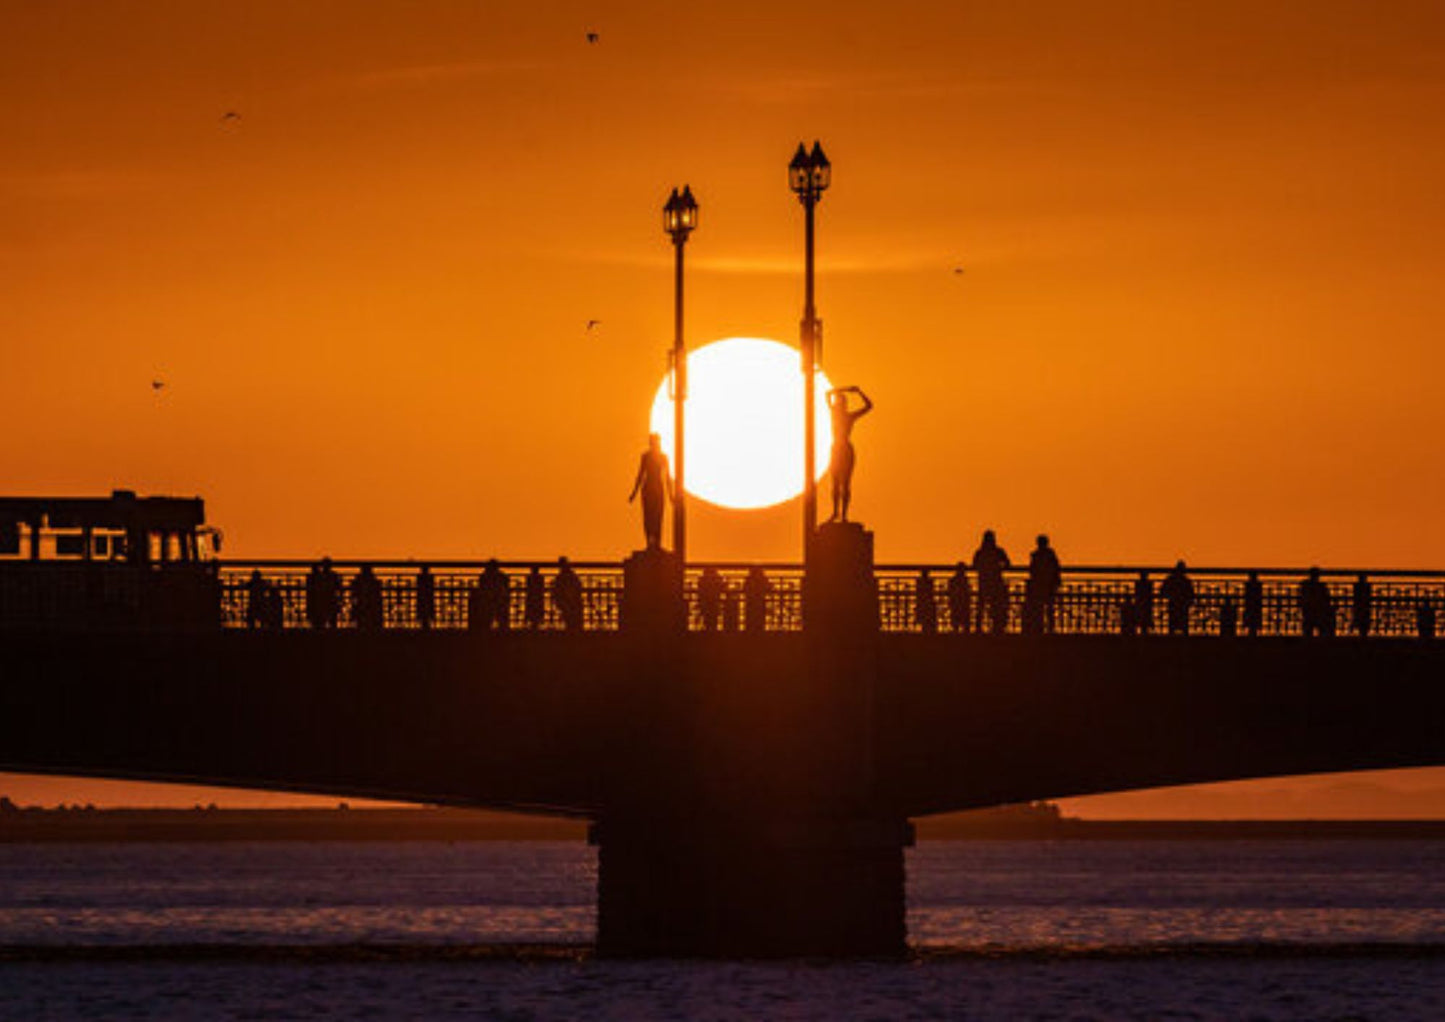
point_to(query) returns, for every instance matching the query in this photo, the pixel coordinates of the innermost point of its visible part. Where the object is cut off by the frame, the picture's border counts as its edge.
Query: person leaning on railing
(960, 599)
(1178, 593)
(426, 598)
(1316, 607)
(567, 595)
(756, 588)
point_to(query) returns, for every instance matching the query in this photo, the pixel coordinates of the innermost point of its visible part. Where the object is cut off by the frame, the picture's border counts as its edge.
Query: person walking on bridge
(567, 595)
(323, 595)
(426, 598)
(1144, 603)
(1362, 599)
(1316, 607)
(256, 596)
(1253, 604)
(1045, 578)
(925, 604)
(534, 599)
(654, 482)
(709, 598)
(960, 600)
(756, 588)
(989, 562)
(491, 608)
(1178, 593)
(367, 610)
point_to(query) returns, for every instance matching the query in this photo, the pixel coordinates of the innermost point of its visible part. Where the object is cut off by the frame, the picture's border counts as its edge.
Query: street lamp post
(809, 175)
(679, 217)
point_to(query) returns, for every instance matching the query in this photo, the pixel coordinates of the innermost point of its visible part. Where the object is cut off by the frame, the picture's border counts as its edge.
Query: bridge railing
(1098, 600)
(280, 594)
(1094, 600)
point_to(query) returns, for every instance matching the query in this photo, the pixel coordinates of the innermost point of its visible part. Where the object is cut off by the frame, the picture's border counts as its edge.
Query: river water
(1033, 929)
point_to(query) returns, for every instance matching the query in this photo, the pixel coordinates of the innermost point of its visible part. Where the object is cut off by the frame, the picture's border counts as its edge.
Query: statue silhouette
(840, 467)
(654, 482)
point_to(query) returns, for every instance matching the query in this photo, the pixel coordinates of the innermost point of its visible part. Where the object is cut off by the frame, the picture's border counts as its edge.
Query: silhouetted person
(925, 604)
(1045, 577)
(491, 600)
(1253, 604)
(534, 605)
(1178, 592)
(755, 599)
(1144, 603)
(731, 608)
(960, 599)
(426, 597)
(989, 562)
(366, 606)
(567, 595)
(710, 587)
(1362, 600)
(654, 482)
(1425, 618)
(1228, 618)
(274, 610)
(323, 595)
(1316, 608)
(256, 595)
(840, 465)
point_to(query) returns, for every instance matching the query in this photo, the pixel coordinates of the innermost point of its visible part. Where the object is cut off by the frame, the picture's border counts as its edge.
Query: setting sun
(744, 423)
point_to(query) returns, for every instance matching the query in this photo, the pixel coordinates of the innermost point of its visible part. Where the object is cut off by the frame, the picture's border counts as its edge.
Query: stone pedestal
(652, 596)
(840, 595)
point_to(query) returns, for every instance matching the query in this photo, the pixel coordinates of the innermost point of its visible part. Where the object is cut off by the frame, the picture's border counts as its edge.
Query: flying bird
(230, 115)
(592, 323)
(158, 385)
(593, 37)
(957, 270)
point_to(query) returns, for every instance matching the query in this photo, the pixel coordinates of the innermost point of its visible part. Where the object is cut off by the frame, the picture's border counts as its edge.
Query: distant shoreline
(1025, 823)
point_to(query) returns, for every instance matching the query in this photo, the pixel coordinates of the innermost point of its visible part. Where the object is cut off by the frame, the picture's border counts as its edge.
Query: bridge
(750, 764)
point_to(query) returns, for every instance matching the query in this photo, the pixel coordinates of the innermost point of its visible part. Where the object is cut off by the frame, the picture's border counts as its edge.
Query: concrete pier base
(765, 890)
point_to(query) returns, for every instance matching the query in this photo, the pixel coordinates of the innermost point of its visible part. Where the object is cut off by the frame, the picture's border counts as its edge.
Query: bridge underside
(584, 724)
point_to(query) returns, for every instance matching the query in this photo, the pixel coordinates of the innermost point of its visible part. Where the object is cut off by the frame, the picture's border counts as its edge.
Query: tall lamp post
(679, 217)
(809, 175)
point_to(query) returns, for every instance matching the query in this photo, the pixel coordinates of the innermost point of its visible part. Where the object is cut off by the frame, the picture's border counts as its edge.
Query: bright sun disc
(744, 423)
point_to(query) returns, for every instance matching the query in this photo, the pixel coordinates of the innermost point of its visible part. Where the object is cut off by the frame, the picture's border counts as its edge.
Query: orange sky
(1199, 317)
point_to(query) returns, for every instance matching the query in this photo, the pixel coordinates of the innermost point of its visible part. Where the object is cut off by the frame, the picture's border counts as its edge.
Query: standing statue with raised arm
(654, 482)
(840, 467)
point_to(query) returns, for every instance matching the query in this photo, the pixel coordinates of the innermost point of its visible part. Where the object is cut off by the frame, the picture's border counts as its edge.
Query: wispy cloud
(417, 75)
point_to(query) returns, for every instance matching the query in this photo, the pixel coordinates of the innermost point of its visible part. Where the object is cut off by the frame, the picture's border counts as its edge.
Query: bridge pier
(778, 888)
(799, 859)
